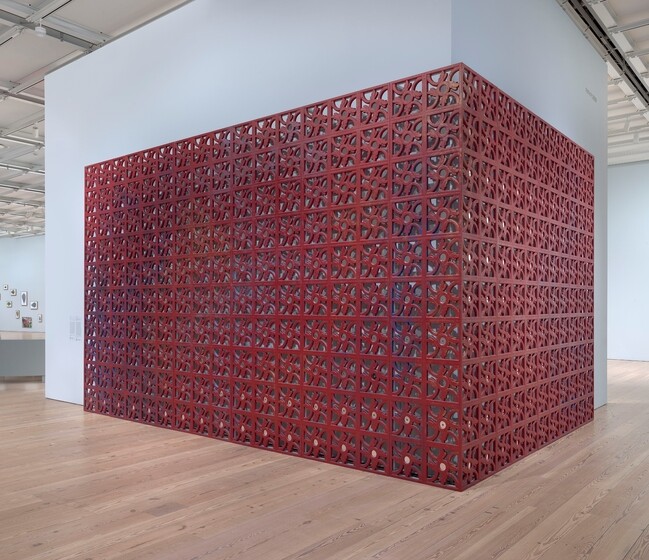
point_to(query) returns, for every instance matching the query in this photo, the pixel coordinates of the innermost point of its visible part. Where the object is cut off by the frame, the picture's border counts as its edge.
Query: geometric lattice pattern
(399, 280)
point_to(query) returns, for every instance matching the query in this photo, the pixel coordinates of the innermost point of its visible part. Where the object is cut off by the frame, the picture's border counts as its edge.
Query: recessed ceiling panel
(116, 16)
(627, 12)
(25, 54)
(37, 90)
(13, 110)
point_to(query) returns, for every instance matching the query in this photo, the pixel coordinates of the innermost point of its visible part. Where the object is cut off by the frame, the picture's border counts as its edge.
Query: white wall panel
(628, 259)
(533, 51)
(208, 65)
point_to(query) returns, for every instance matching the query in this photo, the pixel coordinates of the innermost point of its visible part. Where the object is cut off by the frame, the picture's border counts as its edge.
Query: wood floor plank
(78, 486)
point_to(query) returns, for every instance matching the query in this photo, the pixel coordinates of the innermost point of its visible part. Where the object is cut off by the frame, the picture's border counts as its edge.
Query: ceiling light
(40, 30)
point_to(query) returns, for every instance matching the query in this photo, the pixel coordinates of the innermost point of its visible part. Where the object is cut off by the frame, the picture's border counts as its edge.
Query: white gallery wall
(22, 267)
(208, 65)
(214, 63)
(533, 51)
(628, 258)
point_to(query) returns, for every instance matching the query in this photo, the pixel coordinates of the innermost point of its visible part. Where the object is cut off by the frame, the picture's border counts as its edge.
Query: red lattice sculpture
(398, 280)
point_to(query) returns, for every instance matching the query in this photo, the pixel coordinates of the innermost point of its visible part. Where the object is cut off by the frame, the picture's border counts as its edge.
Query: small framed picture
(33, 305)
(17, 313)
(27, 322)
(39, 317)
(23, 298)
(5, 286)
(9, 303)
(13, 291)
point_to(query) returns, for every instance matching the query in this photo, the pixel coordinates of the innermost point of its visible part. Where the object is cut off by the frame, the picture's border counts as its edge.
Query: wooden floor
(83, 486)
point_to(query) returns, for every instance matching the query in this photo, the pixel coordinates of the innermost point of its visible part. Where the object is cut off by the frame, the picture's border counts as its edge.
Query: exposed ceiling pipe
(606, 46)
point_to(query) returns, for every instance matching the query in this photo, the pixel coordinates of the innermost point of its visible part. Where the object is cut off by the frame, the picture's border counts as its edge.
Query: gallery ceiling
(37, 36)
(619, 30)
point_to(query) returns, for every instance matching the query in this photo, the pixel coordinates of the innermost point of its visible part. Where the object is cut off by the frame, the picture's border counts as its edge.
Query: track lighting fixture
(40, 30)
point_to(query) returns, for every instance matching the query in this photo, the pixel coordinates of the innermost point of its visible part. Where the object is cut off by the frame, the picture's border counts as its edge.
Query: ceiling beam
(22, 187)
(10, 34)
(25, 97)
(6, 156)
(635, 114)
(29, 120)
(60, 25)
(18, 235)
(643, 52)
(631, 131)
(48, 7)
(629, 26)
(23, 168)
(38, 75)
(15, 7)
(20, 229)
(7, 86)
(14, 217)
(619, 100)
(9, 200)
(33, 142)
(626, 156)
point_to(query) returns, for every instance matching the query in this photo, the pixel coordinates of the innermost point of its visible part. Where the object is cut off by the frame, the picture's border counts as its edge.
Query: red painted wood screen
(398, 280)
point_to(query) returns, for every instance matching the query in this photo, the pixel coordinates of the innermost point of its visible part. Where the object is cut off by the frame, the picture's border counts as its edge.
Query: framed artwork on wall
(39, 317)
(33, 305)
(5, 286)
(10, 303)
(23, 298)
(17, 313)
(27, 322)
(13, 291)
